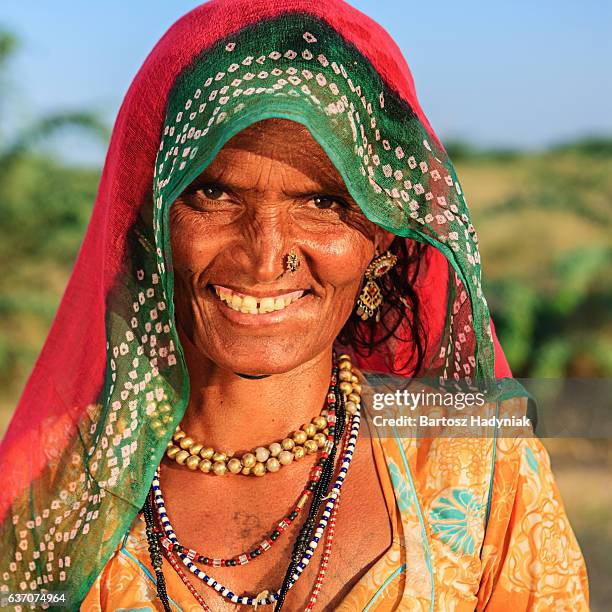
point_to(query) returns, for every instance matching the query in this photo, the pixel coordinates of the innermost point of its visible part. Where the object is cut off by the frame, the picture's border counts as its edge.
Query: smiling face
(269, 191)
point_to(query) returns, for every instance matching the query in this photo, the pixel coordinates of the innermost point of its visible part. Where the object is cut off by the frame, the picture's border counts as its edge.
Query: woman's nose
(268, 240)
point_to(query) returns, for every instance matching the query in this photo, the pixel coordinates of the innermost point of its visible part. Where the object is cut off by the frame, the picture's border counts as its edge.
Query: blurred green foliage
(553, 309)
(44, 207)
(545, 226)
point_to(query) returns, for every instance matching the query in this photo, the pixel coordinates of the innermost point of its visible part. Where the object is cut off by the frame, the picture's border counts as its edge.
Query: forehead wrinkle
(262, 182)
(324, 173)
(284, 144)
(291, 143)
(228, 170)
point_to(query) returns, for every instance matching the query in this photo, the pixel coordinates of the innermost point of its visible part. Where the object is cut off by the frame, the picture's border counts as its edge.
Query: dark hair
(400, 307)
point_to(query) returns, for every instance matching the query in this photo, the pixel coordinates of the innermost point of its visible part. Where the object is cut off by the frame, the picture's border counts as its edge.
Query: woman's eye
(212, 192)
(327, 202)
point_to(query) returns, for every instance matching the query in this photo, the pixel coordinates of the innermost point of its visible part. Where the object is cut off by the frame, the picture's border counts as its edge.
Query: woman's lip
(276, 316)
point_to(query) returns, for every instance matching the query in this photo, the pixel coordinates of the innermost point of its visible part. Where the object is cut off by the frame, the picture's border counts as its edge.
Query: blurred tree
(24, 141)
(8, 43)
(560, 327)
(559, 332)
(44, 207)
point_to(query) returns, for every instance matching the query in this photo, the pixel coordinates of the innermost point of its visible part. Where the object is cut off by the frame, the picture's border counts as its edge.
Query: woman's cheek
(342, 257)
(191, 242)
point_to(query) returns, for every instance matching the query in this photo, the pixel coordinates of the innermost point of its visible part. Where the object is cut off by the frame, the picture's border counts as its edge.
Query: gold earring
(371, 296)
(293, 263)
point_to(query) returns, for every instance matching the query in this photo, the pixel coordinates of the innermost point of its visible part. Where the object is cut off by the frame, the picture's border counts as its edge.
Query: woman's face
(270, 190)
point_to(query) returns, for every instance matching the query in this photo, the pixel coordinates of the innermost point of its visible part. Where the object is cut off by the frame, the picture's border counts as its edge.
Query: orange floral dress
(477, 524)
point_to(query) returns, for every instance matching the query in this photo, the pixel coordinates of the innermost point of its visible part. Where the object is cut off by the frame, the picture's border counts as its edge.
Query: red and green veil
(111, 383)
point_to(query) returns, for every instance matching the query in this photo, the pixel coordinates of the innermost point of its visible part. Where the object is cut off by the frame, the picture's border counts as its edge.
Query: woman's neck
(235, 414)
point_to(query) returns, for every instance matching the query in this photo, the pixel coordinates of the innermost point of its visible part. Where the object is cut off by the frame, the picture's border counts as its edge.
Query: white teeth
(279, 304)
(236, 301)
(266, 304)
(249, 304)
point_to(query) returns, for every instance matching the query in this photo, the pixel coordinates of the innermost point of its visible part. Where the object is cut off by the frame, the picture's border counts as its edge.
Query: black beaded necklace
(299, 547)
(155, 553)
(318, 495)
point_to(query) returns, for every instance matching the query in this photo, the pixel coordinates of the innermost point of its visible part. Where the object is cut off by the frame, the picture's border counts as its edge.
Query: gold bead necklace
(305, 441)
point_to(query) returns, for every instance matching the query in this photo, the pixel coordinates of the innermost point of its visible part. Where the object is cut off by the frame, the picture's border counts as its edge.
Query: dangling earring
(371, 296)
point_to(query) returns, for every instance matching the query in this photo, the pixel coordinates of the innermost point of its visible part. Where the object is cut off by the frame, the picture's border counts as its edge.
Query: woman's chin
(256, 355)
(257, 366)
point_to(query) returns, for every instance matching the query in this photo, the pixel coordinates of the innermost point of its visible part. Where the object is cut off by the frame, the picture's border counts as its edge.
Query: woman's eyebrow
(208, 175)
(318, 188)
(208, 178)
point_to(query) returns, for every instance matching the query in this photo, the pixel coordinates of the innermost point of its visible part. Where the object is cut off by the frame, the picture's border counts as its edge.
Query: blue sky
(515, 73)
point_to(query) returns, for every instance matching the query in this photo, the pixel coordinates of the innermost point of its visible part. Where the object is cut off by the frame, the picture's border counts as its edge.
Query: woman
(276, 219)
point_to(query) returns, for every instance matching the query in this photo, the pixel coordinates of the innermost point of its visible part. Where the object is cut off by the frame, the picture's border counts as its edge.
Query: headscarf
(111, 383)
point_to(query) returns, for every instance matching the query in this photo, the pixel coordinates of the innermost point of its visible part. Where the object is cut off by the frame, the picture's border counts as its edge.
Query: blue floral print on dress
(455, 518)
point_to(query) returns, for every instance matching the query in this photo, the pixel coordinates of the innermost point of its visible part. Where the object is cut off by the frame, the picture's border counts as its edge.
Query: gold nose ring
(293, 263)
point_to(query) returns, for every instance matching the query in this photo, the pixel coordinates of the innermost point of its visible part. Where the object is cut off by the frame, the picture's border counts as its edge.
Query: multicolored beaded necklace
(318, 581)
(283, 524)
(245, 557)
(305, 544)
(171, 543)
